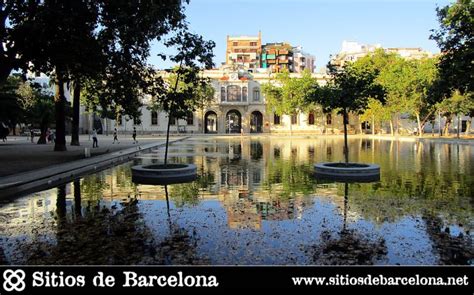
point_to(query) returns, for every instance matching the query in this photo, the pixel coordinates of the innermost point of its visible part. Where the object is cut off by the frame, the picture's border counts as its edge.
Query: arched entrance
(210, 120)
(256, 122)
(233, 121)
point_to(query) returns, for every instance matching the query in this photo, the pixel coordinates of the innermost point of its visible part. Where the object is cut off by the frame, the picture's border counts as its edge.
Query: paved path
(32, 167)
(19, 155)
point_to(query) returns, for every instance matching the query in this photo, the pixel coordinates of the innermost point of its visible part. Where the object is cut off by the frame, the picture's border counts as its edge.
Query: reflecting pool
(256, 201)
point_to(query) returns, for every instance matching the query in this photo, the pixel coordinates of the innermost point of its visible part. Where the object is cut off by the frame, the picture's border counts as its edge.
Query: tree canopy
(455, 38)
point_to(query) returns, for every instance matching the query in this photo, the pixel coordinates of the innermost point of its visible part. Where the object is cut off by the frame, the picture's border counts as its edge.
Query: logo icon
(14, 280)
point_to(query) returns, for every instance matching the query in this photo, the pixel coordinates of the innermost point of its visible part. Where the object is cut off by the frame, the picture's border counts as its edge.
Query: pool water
(256, 202)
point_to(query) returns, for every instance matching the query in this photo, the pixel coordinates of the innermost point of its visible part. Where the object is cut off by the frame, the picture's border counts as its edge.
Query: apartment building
(244, 50)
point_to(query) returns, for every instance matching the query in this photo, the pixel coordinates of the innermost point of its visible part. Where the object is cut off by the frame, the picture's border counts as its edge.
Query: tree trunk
(43, 127)
(77, 198)
(373, 125)
(169, 118)
(59, 104)
(397, 125)
(439, 124)
(458, 131)
(418, 121)
(76, 104)
(61, 202)
(391, 126)
(167, 139)
(291, 126)
(346, 146)
(325, 122)
(446, 126)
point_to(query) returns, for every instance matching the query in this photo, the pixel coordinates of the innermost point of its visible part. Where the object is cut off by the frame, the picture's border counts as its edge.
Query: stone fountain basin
(349, 170)
(161, 174)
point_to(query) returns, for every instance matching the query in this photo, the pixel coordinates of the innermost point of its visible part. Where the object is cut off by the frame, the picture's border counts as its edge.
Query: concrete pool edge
(44, 178)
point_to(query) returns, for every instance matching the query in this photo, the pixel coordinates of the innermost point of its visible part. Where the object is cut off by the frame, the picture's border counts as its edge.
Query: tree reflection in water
(453, 250)
(350, 247)
(179, 247)
(101, 235)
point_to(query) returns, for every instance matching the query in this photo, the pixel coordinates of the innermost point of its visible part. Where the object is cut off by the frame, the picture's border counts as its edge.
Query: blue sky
(319, 26)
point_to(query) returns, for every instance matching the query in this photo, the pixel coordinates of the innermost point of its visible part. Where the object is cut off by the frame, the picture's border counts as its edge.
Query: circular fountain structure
(347, 171)
(161, 174)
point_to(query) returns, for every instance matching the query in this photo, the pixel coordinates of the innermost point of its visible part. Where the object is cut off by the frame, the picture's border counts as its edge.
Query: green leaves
(287, 95)
(455, 38)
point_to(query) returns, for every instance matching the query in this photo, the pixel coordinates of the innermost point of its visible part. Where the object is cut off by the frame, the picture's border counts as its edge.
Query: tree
(455, 38)
(287, 95)
(185, 81)
(42, 113)
(60, 42)
(15, 22)
(375, 112)
(11, 106)
(74, 40)
(457, 104)
(407, 84)
(348, 90)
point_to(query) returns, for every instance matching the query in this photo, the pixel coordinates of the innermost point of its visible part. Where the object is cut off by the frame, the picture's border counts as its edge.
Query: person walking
(32, 135)
(134, 135)
(48, 135)
(95, 143)
(115, 136)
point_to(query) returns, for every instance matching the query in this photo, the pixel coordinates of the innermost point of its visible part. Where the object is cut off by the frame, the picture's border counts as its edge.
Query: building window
(222, 93)
(256, 94)
(190, 118)
(244, 93)
(253, 43)
(154, 118)
(276, 119)
(235, 43)
(172, 120)
(311, 118)
(328, 119)
(234, 93)
(294, 119)
(136, 120)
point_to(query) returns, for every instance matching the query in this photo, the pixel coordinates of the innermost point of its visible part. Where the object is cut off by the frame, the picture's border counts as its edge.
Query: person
(53, 136)
(48, 135)
(95, 143)
(134, 135)
(115, 136)
(32, 135)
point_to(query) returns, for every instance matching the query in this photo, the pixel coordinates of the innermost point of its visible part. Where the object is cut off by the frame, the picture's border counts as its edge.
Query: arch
(256, 122)
(233, 121)
(210, 122)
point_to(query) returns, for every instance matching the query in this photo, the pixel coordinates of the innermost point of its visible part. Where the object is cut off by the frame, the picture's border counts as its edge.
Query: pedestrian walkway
(19, 155)
(72, 163)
